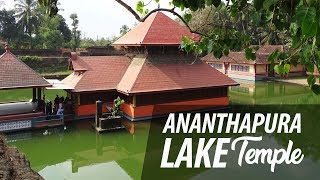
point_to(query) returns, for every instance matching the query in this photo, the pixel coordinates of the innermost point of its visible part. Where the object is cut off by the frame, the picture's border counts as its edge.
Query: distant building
(235, 65)
(153, 72)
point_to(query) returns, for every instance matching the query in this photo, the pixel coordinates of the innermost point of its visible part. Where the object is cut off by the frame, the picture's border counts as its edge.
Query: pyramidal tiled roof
(138, 75)
(15, 74)
(142, 76)
(158, 29)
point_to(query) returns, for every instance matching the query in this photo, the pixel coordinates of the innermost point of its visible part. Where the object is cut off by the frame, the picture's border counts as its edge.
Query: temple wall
(148, 111)
(90, 109)
(250, 73)
(261, 69)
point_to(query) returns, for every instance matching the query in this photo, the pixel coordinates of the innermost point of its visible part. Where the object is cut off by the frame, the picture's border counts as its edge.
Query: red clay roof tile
(143, 76)
(15, 74)
(97, 73)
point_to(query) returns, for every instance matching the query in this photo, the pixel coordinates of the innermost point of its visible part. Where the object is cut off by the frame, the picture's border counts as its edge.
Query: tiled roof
(237, 57)
(97, 73)
(240, 58)
(158, 29)
(15, 74)
(140, 75)
(143, 76)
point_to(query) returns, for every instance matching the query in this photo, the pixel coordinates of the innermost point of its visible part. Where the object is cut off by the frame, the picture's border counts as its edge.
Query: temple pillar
(34, 95)
(134, 101)
(39, 98)
(98, 112)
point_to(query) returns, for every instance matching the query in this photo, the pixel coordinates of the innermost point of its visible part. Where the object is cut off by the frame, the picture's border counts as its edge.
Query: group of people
(61, 106)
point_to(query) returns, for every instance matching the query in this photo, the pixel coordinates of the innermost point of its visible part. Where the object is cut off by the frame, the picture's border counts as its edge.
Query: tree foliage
(124, 29)
(51, 6)
(28, 26)
(50, 34)
(211, 17)
(75, 32)
(102, 42)
(27, 15)
(64, 29)
(8, 25)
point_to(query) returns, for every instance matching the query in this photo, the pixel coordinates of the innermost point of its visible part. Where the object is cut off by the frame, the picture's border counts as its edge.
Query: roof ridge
(138, 58)
(135, 81)
(155, 15)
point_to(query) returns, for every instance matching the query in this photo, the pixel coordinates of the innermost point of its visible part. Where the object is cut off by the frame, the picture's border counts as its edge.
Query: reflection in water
(64, 170)
(272, 93)
(79, 151)
(80, 146)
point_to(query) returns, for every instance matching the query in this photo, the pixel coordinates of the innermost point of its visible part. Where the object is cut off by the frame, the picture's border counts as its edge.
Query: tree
(10, 31)
(49, 33)
(8, 26)
(75, 32)
(124, 29)
(51, 6)
(299, 17)
(89, 42)
(27, 15)
(64, 29)
(211, 17)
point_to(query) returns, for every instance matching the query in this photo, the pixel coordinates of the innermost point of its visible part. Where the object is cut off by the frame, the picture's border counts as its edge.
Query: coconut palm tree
(27, 15)
(124, 29)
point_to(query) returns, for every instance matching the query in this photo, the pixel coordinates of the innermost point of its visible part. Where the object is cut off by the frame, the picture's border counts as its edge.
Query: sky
(97, 18)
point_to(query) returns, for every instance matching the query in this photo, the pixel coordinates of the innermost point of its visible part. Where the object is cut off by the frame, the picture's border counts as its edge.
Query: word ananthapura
(214, 123)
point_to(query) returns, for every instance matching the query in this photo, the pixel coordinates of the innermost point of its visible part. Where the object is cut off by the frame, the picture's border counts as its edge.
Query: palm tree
(27, 15)
(124, 29)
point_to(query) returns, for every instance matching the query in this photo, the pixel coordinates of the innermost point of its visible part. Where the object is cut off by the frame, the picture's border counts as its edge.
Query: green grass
(60, 73)
(26, 95)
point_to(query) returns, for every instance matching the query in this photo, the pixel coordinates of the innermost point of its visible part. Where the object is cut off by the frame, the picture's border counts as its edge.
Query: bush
(48, 65)
(31, 61)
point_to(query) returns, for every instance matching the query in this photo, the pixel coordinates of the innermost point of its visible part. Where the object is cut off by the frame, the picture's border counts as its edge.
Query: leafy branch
(172, 10)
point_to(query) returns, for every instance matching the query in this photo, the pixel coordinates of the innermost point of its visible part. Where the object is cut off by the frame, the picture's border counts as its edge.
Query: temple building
(155, 71)
(14, 74)
(235, 65)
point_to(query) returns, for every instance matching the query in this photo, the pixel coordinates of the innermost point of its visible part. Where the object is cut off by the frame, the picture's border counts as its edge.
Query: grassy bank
(26, 95)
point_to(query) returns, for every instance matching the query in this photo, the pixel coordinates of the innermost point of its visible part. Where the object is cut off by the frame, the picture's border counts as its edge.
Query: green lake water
(78, 152)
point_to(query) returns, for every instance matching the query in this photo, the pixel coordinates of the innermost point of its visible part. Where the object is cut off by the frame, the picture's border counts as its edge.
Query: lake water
(78, 152)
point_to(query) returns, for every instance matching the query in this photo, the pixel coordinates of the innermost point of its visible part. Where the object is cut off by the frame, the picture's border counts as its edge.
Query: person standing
(60, 110)
(56, 103)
